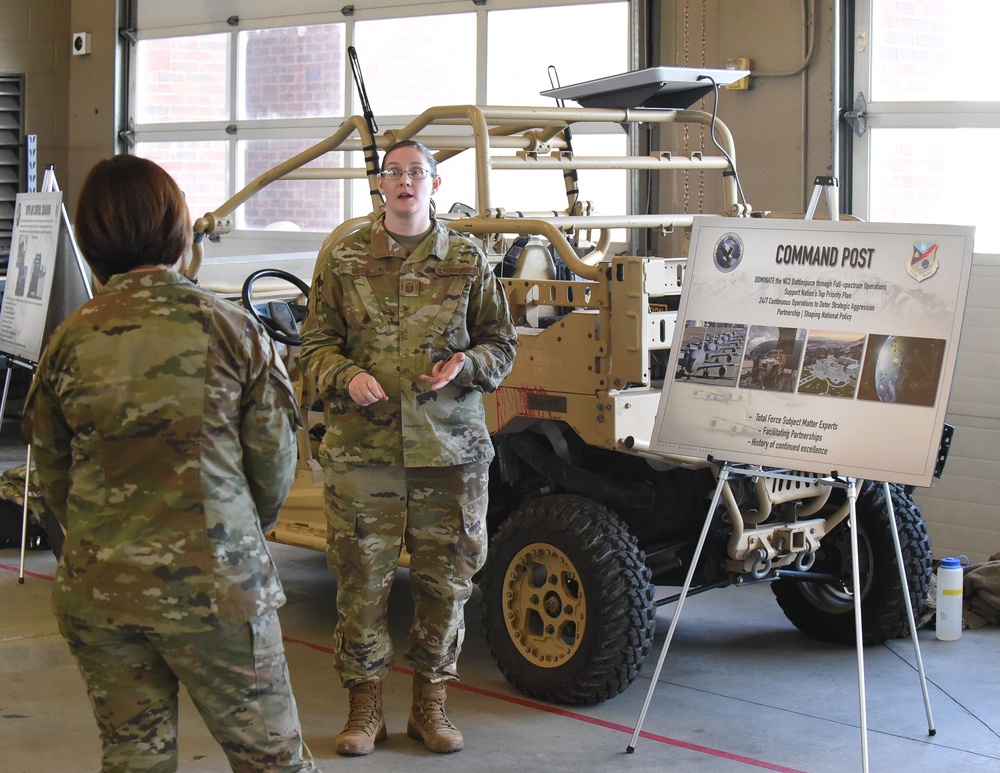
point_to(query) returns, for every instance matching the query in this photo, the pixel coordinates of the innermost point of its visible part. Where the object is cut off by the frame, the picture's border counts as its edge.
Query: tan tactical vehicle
(584, 518)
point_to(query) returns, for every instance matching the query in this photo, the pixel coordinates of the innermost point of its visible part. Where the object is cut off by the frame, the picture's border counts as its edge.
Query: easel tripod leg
(6, 389)
(723, 477)
(852, 496)
(909, 610)
(24, 513)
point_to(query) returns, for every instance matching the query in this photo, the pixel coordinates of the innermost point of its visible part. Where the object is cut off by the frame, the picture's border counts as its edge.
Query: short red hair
(131, 213)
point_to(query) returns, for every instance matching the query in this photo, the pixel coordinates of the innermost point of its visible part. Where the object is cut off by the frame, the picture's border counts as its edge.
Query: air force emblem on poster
(728, 252)
(924, 263)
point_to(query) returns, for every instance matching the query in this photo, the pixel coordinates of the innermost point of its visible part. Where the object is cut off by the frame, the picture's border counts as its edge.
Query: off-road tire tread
(620, 614)
(883, 609)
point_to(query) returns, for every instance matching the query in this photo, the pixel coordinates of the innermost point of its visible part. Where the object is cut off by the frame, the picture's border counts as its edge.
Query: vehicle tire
(567, 602)
(825, 610)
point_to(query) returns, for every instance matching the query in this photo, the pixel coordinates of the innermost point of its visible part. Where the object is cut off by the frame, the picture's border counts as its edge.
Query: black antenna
(371, 151)
(570, 175)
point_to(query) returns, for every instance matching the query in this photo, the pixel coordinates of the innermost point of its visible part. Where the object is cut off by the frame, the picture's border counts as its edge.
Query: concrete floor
(740, 690)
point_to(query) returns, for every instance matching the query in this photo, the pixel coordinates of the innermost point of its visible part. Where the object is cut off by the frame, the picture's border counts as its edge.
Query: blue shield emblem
(923, 263)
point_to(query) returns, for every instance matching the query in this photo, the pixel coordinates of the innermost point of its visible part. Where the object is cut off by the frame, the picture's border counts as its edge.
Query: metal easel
(49, 185)
(850, 484)
(830, 187)
(827, 186)
(11, 362)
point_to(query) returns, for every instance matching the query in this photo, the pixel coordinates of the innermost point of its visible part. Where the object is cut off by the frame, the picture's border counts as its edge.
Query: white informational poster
(817, 346)
(34, 248)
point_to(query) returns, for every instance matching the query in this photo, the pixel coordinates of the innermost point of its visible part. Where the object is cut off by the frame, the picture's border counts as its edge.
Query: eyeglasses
(417, 173)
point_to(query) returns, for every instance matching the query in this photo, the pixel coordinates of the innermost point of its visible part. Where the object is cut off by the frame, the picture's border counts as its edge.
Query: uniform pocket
(472, 541)
(274, 692)
(450, 319)
(370, 303)
(341, 516)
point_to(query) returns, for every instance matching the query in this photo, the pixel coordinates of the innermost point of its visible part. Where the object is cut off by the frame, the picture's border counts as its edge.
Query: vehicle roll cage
(538, 137)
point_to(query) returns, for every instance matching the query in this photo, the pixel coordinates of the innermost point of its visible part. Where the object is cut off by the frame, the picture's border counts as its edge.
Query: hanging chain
(701, 144)
(702, 56)
(686, 51)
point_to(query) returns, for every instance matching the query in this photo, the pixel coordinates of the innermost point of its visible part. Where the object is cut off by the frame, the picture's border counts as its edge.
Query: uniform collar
(153, 278)
(434, 246)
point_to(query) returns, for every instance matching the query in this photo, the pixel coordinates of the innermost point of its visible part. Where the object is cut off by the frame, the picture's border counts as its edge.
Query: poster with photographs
(818, 346)
(34, 247)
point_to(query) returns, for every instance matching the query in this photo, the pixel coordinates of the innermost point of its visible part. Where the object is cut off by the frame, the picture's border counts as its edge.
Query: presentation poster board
(818, 346)
(34, 249)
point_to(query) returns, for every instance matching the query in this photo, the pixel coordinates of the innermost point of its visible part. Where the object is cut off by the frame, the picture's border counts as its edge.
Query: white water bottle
(948, 617)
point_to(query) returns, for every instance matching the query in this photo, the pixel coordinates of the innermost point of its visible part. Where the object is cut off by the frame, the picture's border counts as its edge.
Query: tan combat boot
(428, 722)
(365, 721)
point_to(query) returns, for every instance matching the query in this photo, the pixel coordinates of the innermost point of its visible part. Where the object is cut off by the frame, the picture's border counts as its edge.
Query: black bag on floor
(44, 532)
(11, 518)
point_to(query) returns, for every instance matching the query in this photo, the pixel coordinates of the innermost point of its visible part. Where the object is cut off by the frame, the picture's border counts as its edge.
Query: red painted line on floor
(538, 706)
(309, 644)
(17, 570)
(530, 704)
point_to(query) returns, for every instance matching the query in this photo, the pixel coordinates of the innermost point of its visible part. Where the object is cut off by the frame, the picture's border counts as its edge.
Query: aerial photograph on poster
(832, 363)
(710, 352)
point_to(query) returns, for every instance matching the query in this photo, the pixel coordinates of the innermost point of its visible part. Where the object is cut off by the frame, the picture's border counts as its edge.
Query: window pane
(934, 50)
(458, 182)
(293, 72)
(583, 42)
(414, 63)
(182, 79)
(545, 190)
(200, 168)
(935, 176)
(290, 205)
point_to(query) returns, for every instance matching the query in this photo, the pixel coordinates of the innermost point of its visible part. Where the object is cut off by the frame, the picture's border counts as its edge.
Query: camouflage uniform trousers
(237, 678)
(440, 513)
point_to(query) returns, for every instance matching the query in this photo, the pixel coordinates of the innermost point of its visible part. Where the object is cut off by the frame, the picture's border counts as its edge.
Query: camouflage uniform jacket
(373, 308)
(162, 428)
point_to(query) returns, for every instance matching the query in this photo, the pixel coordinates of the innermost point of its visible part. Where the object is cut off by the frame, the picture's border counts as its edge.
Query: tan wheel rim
(544, 605)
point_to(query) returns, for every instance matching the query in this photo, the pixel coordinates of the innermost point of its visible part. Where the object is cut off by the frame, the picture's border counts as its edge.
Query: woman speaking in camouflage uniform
(406, 327)
(162, 426)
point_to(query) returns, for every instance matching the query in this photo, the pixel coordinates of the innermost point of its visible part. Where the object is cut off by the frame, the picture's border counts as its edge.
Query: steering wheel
(280, 318)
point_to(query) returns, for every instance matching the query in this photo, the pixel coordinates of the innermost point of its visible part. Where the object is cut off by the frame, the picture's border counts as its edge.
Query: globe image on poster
(907, 370)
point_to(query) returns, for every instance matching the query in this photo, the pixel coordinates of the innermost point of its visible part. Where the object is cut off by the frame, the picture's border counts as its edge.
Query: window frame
(154, 22)
(898, 114)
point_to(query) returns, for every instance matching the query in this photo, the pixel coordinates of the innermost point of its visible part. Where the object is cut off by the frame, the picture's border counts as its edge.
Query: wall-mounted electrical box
(739, 63)
(81, 43)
